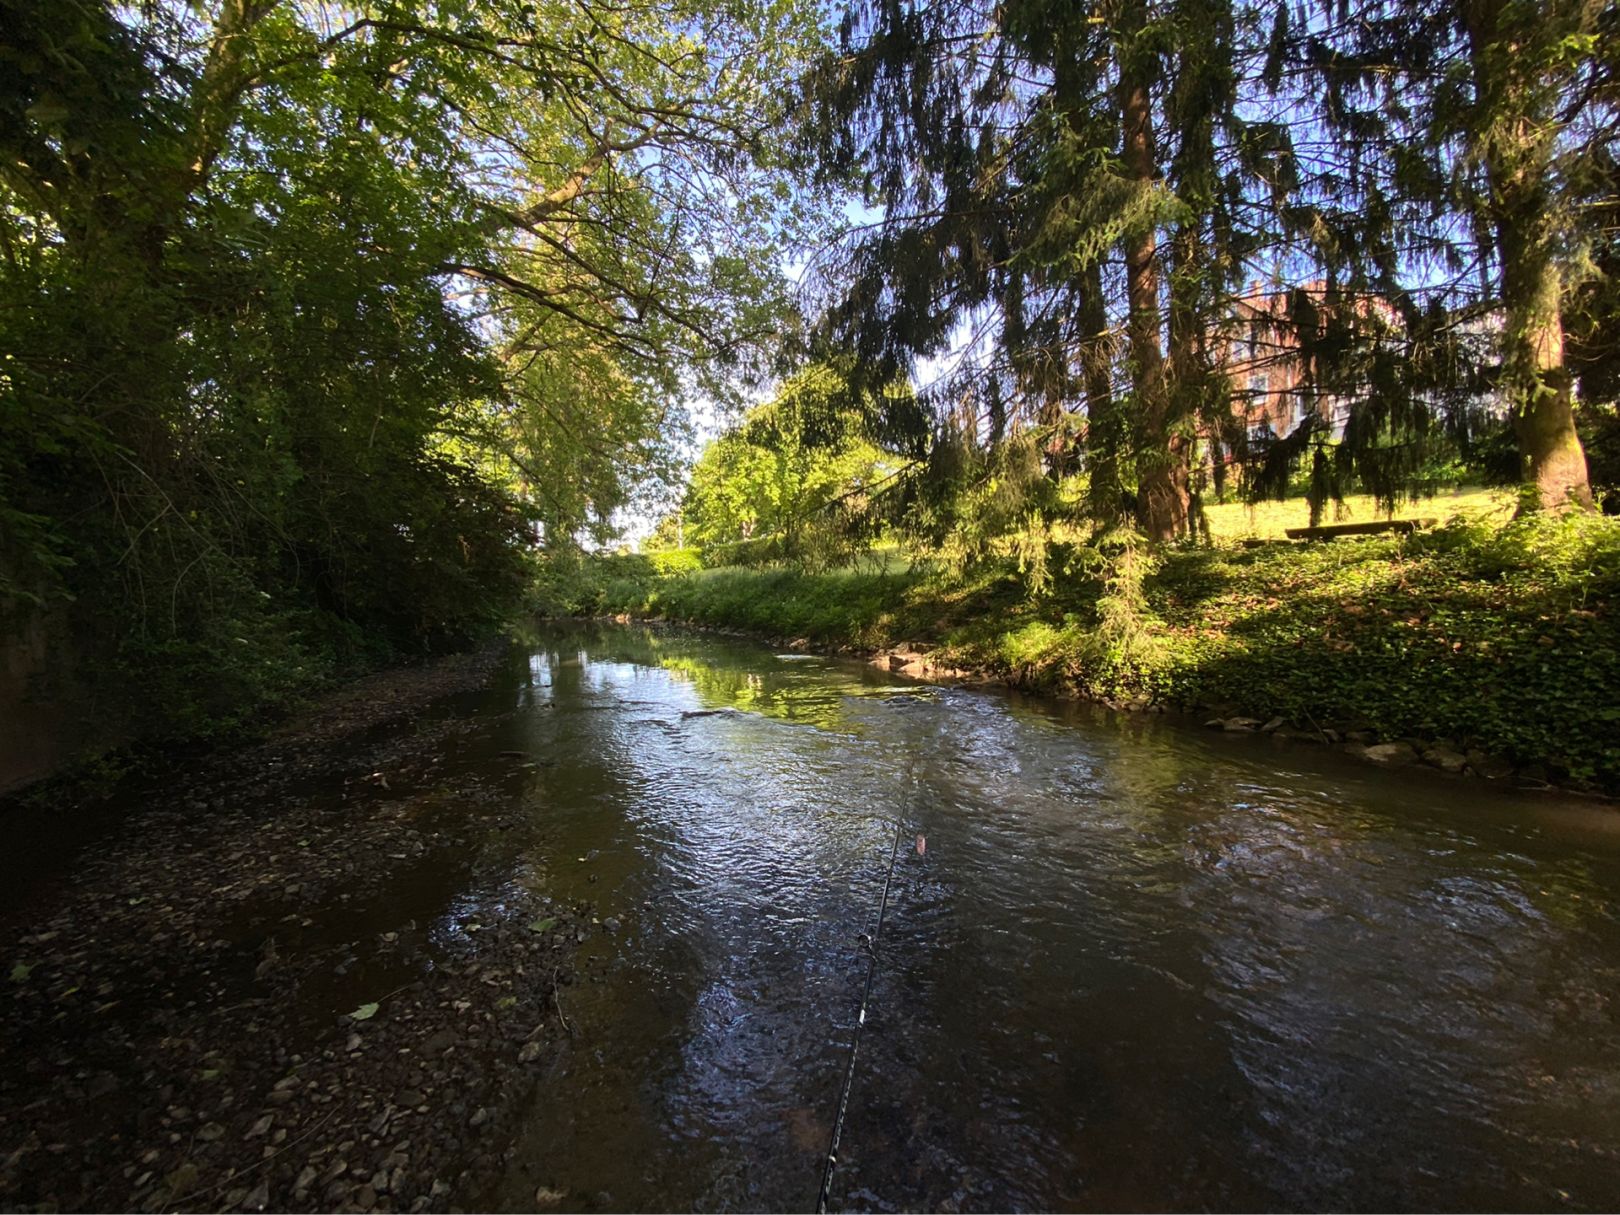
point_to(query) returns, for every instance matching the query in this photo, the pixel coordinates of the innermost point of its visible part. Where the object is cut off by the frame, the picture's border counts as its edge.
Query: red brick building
(1272, 390)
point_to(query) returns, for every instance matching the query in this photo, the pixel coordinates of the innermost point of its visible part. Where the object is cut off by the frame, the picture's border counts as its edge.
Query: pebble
(439, 1041)
(196, 1137)
(1488, 766)
(1392, 754)
(1446, 758)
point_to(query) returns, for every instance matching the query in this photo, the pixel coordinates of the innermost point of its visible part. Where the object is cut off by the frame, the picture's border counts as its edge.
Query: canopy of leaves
(795, 479)
(1317, 216)
(318, 314)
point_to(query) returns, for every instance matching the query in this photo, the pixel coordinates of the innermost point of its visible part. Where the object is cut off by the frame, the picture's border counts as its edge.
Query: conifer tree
(1468, 116)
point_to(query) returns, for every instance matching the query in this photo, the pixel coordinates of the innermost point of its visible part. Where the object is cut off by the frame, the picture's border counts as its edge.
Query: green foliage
(792, 482)
(1503, 639)
(675, 561)
(1122, 637)
(318, 315)
(841, 606)
(223, 409)
(1352, 243)
(1600, 436)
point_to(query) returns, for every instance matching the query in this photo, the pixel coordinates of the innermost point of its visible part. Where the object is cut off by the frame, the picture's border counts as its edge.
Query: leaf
(48, 111)
(20, 972)
(545, 925)
(181, 1180)
(364, 1013)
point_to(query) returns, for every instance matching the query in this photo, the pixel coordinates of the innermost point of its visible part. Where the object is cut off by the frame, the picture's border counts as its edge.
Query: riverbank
(320, 701)
(247, 993)
(1472, 647)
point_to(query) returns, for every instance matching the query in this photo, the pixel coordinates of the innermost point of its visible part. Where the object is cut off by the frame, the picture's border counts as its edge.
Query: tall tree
(986, 136)
(315, 307)
(1523, 59)
(1161, 456)
(1470, 121)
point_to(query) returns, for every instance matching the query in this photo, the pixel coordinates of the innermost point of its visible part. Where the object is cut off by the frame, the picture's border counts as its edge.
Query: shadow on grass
(1518, 663)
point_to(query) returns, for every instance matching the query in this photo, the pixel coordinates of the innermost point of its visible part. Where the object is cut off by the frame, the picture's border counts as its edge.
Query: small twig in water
(556, 998)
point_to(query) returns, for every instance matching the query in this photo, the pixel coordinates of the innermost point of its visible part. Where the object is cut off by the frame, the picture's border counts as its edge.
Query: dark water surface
(1138, 966)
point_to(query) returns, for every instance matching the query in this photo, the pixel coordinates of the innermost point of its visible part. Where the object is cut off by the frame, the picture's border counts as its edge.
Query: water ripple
(1134, 967)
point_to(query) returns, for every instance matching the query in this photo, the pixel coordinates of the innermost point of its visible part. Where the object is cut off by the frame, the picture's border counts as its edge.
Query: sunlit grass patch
(1231, 521)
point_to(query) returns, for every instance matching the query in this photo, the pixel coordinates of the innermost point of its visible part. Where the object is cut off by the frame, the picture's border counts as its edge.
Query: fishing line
(871, 945)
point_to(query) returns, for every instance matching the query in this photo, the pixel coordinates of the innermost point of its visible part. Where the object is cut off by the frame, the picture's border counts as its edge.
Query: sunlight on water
(1138, 965)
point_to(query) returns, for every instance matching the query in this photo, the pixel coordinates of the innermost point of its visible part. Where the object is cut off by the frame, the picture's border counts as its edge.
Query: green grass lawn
(1233, 521)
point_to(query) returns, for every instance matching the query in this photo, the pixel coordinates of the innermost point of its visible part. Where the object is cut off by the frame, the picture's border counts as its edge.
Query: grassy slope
(1500, 638)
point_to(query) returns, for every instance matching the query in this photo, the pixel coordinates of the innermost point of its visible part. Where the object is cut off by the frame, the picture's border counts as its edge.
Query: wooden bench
(1334, 530)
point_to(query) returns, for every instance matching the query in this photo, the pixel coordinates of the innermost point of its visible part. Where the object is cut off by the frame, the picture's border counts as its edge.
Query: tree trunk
(219, 88)
(1105, 421)
(1518, 132)
(1552, 464)
(1188, 371)
(1161, 470)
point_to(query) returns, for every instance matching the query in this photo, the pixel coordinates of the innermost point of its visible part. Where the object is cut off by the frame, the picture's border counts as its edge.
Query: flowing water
(1128, 963)
(1133, 965)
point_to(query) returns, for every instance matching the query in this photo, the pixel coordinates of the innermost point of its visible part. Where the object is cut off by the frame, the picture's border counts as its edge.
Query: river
(1133, 964)
(1128, 963)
